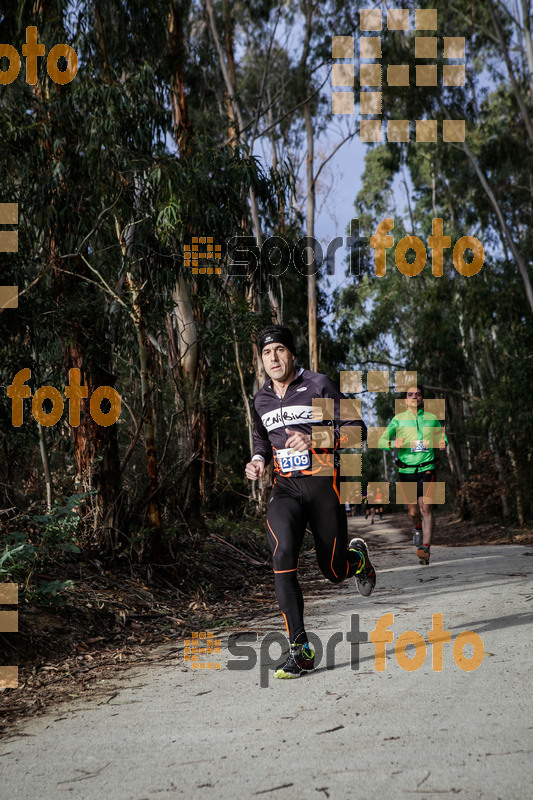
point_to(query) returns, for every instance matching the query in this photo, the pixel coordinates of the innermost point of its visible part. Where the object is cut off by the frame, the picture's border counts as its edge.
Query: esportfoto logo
(32, 50)
(244, 257)
(373, 73)
(410, 648)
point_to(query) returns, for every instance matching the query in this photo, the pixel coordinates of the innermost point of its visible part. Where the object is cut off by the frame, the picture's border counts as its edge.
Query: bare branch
(337, 147)
(263, 83)
(32, 284)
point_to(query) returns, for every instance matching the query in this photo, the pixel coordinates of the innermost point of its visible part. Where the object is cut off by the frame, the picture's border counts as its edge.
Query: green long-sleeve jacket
(421, 436)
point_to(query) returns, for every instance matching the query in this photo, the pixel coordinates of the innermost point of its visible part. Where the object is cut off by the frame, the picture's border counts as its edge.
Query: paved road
(169, 731)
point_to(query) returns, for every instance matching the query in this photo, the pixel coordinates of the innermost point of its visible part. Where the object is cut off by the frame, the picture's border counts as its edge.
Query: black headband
(282, 336)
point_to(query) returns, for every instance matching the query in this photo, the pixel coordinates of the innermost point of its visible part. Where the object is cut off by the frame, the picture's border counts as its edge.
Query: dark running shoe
(423, 554)
(365, 577)
(417, 537)
(301, 659)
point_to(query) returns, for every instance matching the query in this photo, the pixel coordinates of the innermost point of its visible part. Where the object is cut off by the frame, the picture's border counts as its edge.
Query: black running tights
(294, 503)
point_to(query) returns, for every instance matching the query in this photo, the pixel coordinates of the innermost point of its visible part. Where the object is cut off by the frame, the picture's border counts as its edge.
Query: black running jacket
(273, 414)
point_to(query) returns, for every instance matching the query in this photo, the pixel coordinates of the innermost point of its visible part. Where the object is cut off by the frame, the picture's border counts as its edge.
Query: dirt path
(347, 731)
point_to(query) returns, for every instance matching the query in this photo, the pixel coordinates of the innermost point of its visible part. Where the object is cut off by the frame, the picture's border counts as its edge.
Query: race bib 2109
(291, 460)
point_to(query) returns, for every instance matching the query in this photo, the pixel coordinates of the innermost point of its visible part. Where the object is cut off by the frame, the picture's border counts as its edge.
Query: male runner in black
(301, 495)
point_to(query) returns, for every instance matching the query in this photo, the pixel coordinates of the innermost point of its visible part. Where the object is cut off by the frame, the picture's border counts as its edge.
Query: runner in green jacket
(416, 434)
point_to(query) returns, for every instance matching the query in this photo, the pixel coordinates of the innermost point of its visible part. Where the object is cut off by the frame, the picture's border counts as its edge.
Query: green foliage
(46, 541)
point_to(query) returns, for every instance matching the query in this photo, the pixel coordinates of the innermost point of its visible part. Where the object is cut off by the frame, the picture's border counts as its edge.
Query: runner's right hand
(398, 442)
(254, 469)
(297, 440)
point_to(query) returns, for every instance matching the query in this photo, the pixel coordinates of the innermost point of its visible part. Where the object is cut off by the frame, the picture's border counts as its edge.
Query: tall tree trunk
(497, 458)
(245, 401)
(526, 14)
(311, 278)
(154, 514)
(518, 487)
(190, 372)
(46, 468)
(231, 91)
(516, 89)
(178, 100)
(193, 367)
(458, 454)
(186, 328)
(102, 43)
(230, 57)
(501, 476)
(281, 209)
(47, 472)
(519, 260)
(307, 7)
(95, 446)
(126, 239)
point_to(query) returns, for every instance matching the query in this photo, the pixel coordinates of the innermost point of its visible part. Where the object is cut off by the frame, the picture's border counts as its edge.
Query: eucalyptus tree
(462, 334)
(106, 206)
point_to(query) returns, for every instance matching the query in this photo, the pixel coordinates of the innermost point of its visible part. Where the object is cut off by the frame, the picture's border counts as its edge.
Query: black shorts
(420, 478)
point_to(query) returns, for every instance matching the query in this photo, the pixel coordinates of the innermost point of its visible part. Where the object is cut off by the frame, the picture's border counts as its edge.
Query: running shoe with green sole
(365, 578)
(301, 659)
